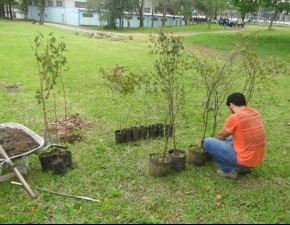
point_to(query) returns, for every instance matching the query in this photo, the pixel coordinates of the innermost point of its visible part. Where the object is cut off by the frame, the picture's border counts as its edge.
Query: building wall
(70, 15)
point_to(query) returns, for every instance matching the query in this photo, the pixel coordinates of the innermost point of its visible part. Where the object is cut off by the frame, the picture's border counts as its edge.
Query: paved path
(136, 34)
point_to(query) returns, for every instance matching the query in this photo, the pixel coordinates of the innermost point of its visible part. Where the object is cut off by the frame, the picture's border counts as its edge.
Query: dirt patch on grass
(205, 51)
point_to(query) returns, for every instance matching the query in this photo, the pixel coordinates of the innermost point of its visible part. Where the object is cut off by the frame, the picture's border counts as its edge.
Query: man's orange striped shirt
(249, 137)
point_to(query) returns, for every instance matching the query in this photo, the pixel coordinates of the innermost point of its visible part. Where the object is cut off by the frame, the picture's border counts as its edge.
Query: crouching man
(241, 144)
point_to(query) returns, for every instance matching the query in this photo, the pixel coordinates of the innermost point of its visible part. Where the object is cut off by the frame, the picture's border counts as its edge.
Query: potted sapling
(51, 62)
(121, 85)
(173, 70)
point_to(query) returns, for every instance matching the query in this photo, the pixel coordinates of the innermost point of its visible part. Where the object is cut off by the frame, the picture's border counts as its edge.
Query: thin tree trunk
(141, 12)
(42, 11)
(10, 11)
(164, 14)
(7, 12)
(272, 19)
(2, 10)
(152, 17)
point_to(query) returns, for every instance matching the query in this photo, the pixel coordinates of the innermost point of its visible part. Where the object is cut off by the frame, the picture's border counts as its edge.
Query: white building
(74, 12)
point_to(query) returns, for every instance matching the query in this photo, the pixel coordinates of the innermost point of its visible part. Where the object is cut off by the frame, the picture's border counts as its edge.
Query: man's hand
(222, 134)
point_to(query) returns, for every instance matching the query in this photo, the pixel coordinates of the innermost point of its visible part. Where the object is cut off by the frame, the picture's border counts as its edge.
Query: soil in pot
(67, 158)
(135, 133)
(158, 165)
(152, 131)
(128, 135)
(196, 156)
(45, 161)
(144, 132)
(160, 129)
(54, 153)
(120, 136)
(178, 161)
(58, 167)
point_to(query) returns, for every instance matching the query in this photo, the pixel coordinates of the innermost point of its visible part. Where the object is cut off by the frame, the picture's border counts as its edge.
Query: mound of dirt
(68, 126)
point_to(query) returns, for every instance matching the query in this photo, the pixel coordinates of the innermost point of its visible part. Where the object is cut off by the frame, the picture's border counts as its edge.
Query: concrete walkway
(66, 27)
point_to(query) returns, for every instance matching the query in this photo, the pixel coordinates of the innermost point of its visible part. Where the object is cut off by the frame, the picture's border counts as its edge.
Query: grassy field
(117, 175)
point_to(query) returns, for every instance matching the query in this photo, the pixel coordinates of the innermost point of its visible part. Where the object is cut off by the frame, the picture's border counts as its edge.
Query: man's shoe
(232, 175)
(244, 171)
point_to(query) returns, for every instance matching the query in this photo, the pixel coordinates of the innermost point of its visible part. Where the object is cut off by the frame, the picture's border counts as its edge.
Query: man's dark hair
(237, 99)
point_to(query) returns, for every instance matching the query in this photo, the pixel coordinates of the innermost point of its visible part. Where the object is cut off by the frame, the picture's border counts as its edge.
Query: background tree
(277, 6)
(98, 7)
(2, 9)
(23, 6)
(163, 6)
(112, 11)
(210, 8)
(246, 6)
(186, 9)
(141, 13)
(42, 10)
(6, 8)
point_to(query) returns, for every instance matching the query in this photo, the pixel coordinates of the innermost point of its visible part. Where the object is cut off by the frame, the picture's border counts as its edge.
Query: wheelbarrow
(23, 166)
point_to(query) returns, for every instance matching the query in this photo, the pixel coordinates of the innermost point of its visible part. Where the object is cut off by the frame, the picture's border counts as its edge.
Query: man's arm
(222, 134)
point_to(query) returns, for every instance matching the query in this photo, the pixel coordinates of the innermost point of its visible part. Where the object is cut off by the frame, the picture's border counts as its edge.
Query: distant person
(239, 24)
(221, 22)
(241, 144)
(225, 22)
(231, 24)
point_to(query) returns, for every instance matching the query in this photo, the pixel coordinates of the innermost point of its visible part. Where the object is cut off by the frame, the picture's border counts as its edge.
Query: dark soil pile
(68, 126)
(16, 141)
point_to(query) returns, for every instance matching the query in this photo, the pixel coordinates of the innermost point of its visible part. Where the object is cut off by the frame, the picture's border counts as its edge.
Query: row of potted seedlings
(142, 132)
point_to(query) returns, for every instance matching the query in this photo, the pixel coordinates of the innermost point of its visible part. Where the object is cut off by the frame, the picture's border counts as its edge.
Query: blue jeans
(223, 153)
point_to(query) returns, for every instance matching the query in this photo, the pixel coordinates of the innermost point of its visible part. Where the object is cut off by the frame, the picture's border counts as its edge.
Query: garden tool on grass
(62, 194)
(17, 173)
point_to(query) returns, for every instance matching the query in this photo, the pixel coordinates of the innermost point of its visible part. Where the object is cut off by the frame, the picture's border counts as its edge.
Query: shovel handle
(17, 173)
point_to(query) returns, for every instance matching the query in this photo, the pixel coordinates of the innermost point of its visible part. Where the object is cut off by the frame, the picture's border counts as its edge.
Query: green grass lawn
(117, 175)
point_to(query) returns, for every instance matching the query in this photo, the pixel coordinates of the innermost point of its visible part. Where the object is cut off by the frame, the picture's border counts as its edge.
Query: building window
(155, 19)
(58, 3)
(147, 10)
(88, 15)
(80, 4)
(138, 18)
(45, 15)
(50, 3)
